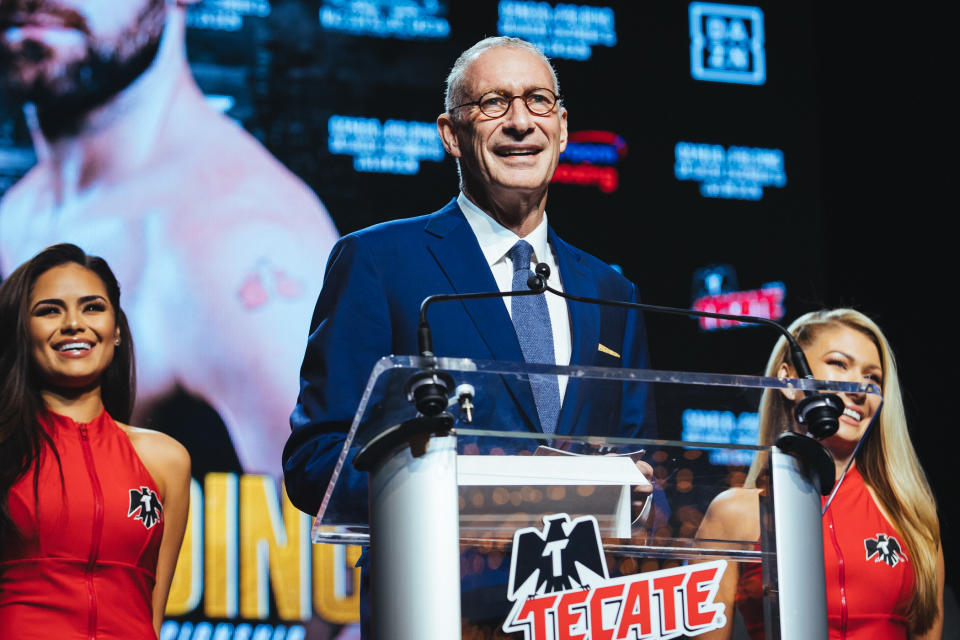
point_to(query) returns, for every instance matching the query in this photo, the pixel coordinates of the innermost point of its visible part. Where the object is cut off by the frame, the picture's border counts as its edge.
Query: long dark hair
(22, 438)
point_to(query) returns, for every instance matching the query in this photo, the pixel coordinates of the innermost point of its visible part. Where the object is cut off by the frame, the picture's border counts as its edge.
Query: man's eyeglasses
(494, 104)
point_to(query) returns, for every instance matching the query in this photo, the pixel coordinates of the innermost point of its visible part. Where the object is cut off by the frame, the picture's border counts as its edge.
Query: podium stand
(481, 526)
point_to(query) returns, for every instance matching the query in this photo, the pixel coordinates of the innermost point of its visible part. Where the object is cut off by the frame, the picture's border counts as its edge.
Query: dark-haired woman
(92, 511)
(881, 495)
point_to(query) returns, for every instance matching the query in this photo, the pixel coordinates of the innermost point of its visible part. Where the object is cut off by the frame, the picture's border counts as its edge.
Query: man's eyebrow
(526, 89)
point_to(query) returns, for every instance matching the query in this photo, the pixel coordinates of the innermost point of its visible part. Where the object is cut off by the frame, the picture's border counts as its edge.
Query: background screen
(737, 158)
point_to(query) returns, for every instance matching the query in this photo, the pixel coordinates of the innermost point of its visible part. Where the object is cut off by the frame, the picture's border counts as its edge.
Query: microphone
(464, 395)
(425, 336)
(819, 412)
(429, 389)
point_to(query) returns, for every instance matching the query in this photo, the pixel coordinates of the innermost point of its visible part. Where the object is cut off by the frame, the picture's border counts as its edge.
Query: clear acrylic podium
(480, 526)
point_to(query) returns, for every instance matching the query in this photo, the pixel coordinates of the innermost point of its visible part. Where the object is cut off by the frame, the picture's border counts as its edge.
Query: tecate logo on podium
(560, 589)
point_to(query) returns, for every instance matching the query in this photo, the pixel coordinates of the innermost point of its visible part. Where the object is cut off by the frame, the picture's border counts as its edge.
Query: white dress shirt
(495, 243)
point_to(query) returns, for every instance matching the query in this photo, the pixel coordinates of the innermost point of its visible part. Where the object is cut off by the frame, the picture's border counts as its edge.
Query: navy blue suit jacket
(369, 307)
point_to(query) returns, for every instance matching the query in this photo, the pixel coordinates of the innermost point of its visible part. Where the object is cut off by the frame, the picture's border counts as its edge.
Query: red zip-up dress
(85, 564)
(869, 574)
(869, 577)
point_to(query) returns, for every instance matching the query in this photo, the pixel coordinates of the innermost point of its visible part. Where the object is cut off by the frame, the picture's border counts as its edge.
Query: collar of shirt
(496, 240)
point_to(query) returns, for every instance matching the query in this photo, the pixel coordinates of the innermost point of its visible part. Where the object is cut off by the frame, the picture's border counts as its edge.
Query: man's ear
(563, 130)
(447, 129)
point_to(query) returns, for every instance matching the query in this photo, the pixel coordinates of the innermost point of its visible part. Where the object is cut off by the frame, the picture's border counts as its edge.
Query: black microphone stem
(796, 353)
(424, 335)
(819, 412)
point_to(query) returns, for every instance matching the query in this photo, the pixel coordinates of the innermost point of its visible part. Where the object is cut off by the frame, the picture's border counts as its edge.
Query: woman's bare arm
(169, 464)
(733, 515)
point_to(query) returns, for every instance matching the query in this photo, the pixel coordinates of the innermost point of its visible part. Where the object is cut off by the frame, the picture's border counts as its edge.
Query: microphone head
(820, 413)
(536, 283)
(428, 390)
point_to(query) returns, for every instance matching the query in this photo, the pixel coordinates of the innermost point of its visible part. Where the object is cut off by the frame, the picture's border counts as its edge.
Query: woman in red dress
(881, 537)
(92, 511)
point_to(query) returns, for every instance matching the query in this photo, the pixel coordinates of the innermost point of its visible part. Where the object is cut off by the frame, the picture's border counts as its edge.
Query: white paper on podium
(496, 492)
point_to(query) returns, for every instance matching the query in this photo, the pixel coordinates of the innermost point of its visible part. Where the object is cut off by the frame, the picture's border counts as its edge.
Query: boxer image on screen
(220, 250)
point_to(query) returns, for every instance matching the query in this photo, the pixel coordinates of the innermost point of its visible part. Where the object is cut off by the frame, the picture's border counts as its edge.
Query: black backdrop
(886, 130)
(854, 98)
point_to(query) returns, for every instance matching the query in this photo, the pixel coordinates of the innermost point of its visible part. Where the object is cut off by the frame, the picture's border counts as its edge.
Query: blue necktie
(532, 322)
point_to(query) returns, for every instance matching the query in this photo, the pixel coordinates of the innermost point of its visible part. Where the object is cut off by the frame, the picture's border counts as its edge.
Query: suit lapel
(454, 246)
(584, 325)
(584, 317)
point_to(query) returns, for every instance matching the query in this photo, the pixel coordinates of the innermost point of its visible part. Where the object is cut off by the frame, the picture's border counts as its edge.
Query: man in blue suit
(506, 126)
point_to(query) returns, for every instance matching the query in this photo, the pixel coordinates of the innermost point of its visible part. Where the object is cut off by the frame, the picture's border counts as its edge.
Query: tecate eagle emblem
(145, 506)
(560, 589)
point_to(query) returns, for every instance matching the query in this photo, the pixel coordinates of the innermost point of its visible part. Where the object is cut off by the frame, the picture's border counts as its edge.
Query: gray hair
(456, 93)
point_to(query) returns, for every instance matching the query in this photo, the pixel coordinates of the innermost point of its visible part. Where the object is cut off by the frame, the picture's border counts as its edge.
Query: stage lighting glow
(722, 427)
(765, 302)
(394, 146)
(726, 43)
(738, 173)
(590, 159)
(401, 19)
(587, 152)
(172, 630)
(14, 163)
(225, 15)
(564, 31)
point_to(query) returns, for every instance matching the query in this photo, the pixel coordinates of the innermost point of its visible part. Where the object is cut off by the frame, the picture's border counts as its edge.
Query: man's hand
(641, 494)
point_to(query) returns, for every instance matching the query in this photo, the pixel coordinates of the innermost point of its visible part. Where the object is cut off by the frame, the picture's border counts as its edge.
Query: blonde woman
(881, 537)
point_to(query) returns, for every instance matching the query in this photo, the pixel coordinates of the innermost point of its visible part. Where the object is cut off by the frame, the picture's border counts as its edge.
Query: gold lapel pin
(607, 350)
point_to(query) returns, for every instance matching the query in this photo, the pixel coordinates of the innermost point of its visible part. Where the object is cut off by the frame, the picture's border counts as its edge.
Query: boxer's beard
(66, 90)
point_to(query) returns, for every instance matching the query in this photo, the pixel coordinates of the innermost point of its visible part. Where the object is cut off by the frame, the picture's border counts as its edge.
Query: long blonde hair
(886, 458)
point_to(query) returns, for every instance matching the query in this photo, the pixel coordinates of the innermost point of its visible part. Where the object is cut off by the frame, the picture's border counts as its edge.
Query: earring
(116, 342)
